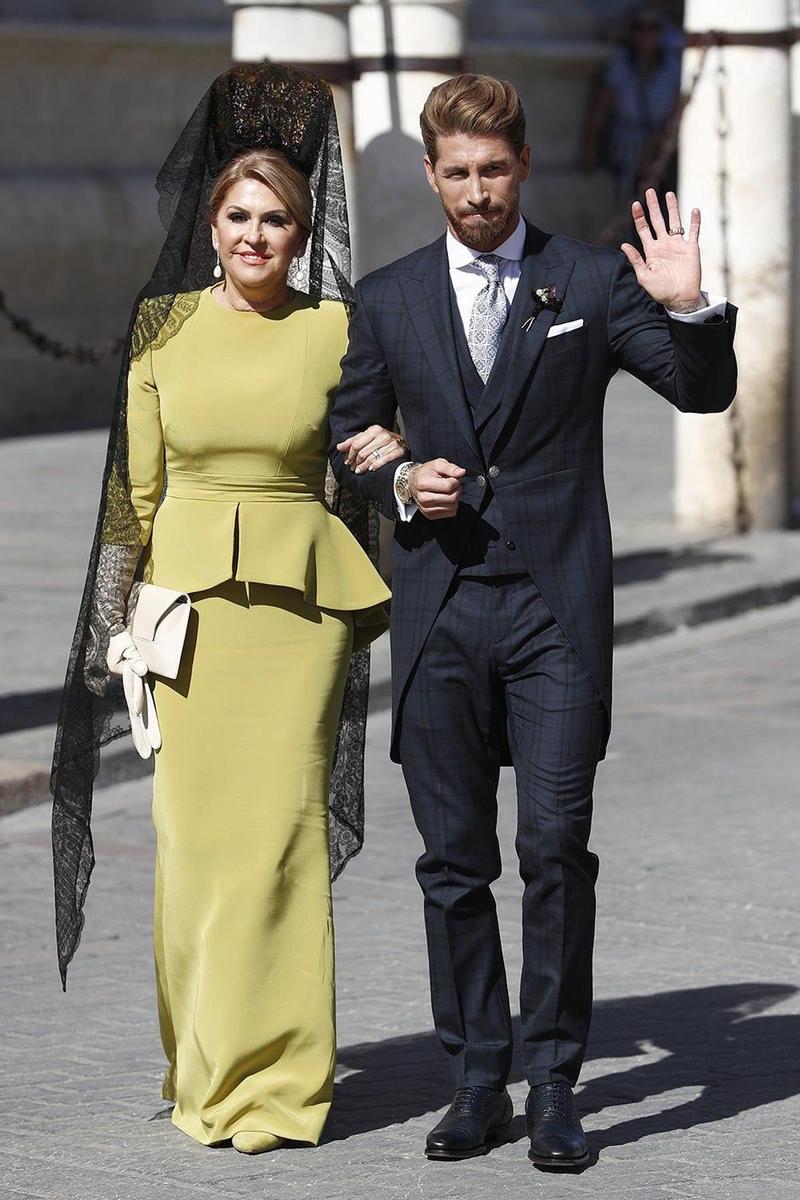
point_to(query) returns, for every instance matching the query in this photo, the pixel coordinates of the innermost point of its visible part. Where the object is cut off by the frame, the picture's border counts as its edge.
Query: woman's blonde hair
(274, 170)
(474, 104)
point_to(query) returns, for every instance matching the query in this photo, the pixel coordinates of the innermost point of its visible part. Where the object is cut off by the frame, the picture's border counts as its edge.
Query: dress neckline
(274, 314)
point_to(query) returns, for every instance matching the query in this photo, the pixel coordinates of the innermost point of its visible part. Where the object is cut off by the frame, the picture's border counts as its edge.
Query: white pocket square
(565, 327)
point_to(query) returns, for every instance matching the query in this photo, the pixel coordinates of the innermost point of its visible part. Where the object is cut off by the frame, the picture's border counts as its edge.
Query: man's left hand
(670, 268)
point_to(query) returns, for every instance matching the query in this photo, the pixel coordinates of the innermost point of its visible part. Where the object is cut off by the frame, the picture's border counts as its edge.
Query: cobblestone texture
(690, 1084)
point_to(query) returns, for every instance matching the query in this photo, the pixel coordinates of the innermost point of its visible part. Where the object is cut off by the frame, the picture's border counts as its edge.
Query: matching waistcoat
(489, 551)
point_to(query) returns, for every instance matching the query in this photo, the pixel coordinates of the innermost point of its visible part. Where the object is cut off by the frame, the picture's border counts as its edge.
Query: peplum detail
(275, 530)
(231, 413)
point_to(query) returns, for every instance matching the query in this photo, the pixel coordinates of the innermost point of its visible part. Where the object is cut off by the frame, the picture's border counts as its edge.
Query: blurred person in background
(635, 98)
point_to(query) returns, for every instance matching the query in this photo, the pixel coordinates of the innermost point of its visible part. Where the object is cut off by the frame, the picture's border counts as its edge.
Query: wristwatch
(401, 482)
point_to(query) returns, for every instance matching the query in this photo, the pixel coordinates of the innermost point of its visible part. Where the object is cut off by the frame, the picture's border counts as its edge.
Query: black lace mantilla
(251, 105)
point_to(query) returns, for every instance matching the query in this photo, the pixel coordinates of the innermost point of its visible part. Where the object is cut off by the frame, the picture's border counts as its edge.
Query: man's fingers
(640, 221)
(430, 501)
(447, 468)
(694, 227)
(438, 485)
(632, 254)
(674, 211)
(436, 512)
(656, 216)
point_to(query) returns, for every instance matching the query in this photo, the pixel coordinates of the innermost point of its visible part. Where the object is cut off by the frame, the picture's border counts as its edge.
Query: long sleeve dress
(229, 409)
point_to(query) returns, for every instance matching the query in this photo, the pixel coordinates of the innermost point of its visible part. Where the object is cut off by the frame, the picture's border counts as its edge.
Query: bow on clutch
(153, 643)
(544, 298)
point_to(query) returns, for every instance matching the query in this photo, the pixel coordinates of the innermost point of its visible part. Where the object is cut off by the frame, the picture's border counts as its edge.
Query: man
(497, 343)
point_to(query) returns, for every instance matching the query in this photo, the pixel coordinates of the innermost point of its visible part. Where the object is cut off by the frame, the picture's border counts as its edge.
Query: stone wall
(90, 113)
(97, 93)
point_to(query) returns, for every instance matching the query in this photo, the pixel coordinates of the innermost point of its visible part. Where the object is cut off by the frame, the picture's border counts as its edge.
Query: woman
(223, 409)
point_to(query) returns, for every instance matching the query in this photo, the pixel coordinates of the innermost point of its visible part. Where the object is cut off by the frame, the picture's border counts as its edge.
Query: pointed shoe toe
(256, 1143)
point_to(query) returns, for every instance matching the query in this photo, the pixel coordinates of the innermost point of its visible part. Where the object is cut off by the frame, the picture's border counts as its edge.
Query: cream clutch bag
(160, 621)
(158, 631)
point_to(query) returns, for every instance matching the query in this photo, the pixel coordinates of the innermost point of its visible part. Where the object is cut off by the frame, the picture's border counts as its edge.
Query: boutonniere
(544, 298)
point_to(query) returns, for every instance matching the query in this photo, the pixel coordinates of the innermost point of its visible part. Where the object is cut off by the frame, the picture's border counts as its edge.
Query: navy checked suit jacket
(541, 431)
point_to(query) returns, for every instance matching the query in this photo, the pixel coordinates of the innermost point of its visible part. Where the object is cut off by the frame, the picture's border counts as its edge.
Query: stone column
(400, 51)
(313, 34)
(794, 431)
(746, 251)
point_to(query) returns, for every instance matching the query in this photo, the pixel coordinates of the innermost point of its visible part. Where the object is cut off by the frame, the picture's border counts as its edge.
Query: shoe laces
(555, 1100)
(469, 1100)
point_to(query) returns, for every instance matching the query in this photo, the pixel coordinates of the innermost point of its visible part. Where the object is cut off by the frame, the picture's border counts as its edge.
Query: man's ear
(525, 162)
(429, 171)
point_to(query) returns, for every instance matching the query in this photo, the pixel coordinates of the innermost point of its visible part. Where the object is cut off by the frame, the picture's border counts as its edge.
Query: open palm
(670, 269)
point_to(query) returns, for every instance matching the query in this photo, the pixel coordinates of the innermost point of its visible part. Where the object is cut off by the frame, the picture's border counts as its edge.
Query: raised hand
(372, 448)
(670, 268)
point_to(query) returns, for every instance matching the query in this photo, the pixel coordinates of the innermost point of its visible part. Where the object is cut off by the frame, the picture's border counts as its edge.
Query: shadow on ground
(715, 1039)
(646, 565)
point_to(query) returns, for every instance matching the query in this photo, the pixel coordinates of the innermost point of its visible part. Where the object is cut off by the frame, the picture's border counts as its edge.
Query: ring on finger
(678, 232)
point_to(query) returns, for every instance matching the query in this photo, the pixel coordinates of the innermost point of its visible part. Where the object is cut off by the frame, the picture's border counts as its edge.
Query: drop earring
(217, 272)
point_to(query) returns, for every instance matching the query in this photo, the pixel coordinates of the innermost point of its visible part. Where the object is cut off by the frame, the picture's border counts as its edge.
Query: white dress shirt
(468, 280)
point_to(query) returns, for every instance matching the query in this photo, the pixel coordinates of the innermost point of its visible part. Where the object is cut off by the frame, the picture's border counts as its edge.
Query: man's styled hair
(476, 105)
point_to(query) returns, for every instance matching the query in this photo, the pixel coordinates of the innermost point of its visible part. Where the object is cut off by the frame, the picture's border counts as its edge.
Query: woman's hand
(373, 448)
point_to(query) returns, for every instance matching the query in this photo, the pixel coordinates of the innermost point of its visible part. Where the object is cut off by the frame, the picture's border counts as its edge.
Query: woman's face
(256, 238)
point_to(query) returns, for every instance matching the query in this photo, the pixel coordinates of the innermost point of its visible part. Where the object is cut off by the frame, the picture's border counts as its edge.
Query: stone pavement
(48, 500)
(690, 1087)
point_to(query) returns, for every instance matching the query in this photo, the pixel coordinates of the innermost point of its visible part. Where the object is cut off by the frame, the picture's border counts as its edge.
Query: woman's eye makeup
(276, 219)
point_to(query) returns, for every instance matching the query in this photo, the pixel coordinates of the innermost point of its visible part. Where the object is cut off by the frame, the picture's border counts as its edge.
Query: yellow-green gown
(234, 405)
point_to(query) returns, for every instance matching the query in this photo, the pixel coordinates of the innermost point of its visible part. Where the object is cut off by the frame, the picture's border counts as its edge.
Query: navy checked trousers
(497, 665)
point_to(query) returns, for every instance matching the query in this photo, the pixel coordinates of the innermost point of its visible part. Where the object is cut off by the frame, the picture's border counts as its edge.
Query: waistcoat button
(494, 472)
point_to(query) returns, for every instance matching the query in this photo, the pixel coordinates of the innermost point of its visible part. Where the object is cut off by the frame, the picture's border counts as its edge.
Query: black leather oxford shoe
(478, 1119)
(554, 1127)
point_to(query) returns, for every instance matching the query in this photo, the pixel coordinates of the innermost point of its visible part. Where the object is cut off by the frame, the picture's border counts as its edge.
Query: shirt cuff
(404, 511)
(714, 307)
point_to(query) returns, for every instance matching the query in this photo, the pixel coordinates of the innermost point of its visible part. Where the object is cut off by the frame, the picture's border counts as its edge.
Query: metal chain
(79, 353)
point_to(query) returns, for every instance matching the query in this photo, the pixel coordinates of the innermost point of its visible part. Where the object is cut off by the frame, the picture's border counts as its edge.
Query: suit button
(482, 480)
(494, 472)
(511, 545)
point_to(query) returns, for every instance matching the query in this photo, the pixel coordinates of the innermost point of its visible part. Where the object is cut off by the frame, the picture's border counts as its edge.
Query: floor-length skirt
(243, 937)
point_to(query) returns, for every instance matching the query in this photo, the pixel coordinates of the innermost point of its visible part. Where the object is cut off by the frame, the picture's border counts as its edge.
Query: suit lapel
(521, 346)
(427, 294)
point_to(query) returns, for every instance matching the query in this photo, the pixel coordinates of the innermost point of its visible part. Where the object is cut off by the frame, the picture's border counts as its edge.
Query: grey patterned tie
(489, 316)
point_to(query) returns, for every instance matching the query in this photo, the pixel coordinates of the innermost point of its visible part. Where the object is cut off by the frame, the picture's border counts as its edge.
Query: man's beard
(485, 227)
